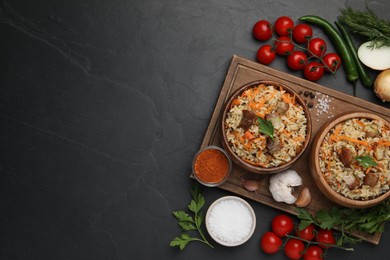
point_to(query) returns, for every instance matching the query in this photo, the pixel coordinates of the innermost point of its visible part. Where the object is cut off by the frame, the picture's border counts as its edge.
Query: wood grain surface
(243, 71)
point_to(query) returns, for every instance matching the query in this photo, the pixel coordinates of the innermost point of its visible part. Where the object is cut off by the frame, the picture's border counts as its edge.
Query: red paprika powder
(211, 166)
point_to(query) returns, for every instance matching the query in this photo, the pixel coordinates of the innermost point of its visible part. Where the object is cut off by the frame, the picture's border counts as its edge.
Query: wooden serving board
(242, 71)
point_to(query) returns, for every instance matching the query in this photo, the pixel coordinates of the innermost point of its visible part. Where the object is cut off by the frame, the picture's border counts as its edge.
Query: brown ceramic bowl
(314, 163)
(251, 167)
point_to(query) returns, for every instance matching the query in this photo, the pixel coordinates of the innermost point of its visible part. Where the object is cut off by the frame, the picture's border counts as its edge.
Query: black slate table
(103, 105)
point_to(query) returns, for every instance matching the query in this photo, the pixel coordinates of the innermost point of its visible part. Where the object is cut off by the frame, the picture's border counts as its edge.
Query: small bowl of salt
(230, 221)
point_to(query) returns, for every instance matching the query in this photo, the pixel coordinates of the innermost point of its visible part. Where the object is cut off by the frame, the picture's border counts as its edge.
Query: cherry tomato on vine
(302, 33)
(297, 60)
(282, 225)
(313, 71)
(294, 248)
(308, 233)
(325, 238)
(270, 243)
(262, 30)
(284, 46)
(284, 25)
(316, 46)
(313, 253)
(266, 54)
(332, 62)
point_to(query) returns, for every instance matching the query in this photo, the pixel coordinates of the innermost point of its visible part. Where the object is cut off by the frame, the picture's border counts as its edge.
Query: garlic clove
(250, 185)
(304, 198)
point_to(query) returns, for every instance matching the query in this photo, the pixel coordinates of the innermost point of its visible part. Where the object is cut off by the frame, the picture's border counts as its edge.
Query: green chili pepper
(363, 74)
(343, 51)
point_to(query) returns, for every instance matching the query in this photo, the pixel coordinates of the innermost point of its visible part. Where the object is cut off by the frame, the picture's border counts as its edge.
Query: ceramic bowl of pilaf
(350, 159)
(266, 127)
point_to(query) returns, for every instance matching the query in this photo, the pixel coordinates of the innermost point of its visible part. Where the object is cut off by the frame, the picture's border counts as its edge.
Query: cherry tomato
(262, 30)
(332, 62)
(308, 233)
(266, 54)
(313, 71)
(313, 253)
(297, 60)
(282, 225)
(284, 25)
(294, 248)
(317, 46)
(283, 46)
(302, 33)
(270, 243)
(325, 238)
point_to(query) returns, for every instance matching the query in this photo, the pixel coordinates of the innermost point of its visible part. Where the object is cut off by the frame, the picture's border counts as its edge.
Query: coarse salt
(323, 105)
(230, 221)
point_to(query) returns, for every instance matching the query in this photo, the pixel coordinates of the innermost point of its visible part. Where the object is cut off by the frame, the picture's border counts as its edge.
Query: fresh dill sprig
(367, 24)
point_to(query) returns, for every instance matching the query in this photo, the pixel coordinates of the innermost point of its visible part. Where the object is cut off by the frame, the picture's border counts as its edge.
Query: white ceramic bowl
(239, 223)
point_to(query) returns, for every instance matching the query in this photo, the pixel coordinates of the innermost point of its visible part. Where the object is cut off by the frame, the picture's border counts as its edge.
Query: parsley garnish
(266, 127)
(366, 161)
(189, 223)
(369, 220)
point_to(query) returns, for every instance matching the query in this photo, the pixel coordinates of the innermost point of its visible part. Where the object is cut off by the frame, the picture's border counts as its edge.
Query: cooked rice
(352, 134)
(262, 100)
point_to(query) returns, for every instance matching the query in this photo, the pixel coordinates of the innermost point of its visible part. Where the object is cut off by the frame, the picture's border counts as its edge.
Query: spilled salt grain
(230, 221)
(323, 105)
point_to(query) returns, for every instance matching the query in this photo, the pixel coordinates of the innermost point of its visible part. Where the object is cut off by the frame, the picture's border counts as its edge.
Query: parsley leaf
(366, 161)
(266, 127)
(368, 220)
(189, 223)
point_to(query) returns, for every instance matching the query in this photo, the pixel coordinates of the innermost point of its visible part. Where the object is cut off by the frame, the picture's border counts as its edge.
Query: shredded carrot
(287, 98)
(353, 140)
(298, 138)
(272, 95)
(248, 135)
(238, 137)
(269, 110)
(257, 105)
(336, 132)
(248, 146)
(383, 142)
(368, 170)
(360, 123)
(236, 102)
(287, 132)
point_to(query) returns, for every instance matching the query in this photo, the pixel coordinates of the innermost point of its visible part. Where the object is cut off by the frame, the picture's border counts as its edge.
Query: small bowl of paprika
(211, 166)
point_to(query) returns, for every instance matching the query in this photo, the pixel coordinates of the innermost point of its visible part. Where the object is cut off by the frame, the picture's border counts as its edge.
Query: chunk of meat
(371, 179)
(379, 151)
(275, 119)
(248, 119)
(371, 130)
(346, 156)
(274, 146)
(351, 181)
(281, 108)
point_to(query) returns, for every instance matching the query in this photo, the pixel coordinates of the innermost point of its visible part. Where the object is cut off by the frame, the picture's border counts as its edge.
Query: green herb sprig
(368, 25)
(266, 127)
(366, 161)
(369, 220)
(189, 223)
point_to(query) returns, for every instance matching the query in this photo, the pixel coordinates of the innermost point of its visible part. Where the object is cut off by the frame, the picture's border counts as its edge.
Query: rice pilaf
(339, 153)
(275, 105)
